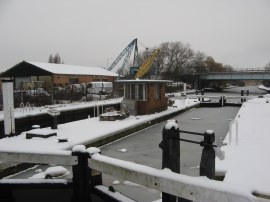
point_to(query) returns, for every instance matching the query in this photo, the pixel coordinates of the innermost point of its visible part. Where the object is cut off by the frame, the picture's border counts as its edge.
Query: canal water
(143, 146)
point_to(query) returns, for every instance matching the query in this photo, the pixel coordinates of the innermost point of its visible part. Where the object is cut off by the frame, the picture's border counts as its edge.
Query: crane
(126, 54)
(145, 67)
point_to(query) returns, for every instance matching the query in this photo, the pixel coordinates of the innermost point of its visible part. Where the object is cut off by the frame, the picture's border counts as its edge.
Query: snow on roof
(143, 81)
(72, 69)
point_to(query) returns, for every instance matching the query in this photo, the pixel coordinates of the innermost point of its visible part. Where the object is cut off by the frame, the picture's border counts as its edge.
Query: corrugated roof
(72, 69)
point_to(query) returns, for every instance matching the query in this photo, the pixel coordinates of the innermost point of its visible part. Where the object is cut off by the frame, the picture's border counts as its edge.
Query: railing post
(242, 94)
(81, 175)
(207, 165)
(170, 146)
(202, 93)
(170, 152)
(95, 176)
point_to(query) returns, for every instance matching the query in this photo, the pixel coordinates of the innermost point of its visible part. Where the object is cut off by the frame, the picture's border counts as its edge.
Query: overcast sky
(94, 32)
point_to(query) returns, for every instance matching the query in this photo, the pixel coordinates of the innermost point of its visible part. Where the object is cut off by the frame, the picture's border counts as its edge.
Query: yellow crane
(145, 67)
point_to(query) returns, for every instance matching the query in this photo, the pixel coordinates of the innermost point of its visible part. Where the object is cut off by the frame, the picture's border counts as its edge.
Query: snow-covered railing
(85, 161)
(236, 132)
(59, 157)
(192, 188)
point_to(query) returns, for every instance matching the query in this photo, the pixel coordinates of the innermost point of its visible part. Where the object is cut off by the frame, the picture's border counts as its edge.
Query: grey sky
(93, 32)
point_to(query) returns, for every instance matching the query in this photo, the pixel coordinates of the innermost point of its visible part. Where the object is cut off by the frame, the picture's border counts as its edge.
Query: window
(141, 92)
(127, 91)
(157, 90)
(132, 91)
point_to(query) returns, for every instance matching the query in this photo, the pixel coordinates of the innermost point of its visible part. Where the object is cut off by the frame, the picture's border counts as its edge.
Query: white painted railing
(199, 189)
(236, 131)
(59, 158)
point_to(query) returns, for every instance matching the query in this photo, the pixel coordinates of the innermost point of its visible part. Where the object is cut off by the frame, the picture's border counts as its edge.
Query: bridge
(241, 74)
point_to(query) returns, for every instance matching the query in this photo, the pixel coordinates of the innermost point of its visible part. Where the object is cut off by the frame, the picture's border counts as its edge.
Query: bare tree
(55, 59)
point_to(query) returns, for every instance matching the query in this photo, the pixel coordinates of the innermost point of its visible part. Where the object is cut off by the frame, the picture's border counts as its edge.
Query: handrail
(230, 131)
(191, 188)
(59, 157)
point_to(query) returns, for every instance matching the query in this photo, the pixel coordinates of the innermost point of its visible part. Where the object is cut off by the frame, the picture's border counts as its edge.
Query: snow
(93, 150)
(171, 124)
(122, 150)
(56, 171)
(246, 156)
(79, 149)
(116, 182)
(72, 69)
(32, 111)
(33, 181)
(41, 131)
(202, 185)
(245, 164)
(115, 195)
(82, 132)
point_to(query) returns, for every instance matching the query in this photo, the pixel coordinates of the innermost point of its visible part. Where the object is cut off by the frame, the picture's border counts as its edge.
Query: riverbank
(247, 148)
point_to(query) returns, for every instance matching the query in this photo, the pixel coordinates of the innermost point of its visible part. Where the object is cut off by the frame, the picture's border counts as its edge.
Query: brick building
(144, 96)
(56, 74)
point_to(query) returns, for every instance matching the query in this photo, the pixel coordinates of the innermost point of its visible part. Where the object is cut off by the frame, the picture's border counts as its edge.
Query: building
(144, 96)
(51, 74)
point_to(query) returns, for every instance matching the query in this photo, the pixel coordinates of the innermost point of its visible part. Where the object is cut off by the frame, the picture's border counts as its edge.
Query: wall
(152, 104)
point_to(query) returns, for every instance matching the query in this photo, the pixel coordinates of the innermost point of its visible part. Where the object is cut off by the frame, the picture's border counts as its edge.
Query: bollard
(202, 93)
(81, 175)
(222, 100)
(242, 94)
(170, 146)
(207, 165)
(54, 114)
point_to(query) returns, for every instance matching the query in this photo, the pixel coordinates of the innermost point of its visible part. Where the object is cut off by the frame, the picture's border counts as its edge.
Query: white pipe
(8, 105)
(236, 130)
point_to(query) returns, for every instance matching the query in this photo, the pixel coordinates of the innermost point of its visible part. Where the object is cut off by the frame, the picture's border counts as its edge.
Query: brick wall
(152, 104)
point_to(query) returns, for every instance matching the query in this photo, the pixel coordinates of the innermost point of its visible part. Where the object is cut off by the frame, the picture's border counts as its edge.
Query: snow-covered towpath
(247, 154)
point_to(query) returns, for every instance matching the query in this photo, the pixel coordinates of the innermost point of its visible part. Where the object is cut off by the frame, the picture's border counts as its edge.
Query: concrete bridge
(242, 74)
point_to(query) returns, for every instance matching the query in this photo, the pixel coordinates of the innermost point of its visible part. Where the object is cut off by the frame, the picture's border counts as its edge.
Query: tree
(267, 66)
(213, 66)
(55, 59)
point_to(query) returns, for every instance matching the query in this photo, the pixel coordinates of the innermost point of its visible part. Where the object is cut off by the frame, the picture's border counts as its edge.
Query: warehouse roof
(26, 68)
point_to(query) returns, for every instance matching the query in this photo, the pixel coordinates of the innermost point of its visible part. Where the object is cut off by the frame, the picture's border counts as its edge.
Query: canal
(143, 147)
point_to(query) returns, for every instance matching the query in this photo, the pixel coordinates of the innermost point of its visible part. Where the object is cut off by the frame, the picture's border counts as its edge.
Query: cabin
(143, 97)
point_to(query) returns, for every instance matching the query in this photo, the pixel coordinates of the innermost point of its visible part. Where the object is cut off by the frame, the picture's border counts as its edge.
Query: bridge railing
(241, 70)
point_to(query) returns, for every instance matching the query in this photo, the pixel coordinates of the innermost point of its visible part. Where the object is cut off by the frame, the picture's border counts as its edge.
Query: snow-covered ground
(247, 154)
(84, 131)
(32, 111)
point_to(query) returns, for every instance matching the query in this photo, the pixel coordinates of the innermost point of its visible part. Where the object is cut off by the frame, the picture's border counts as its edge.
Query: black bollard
(170, 146)
(207, 165)
(202, 93)
(242, 94)
(81, 177)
